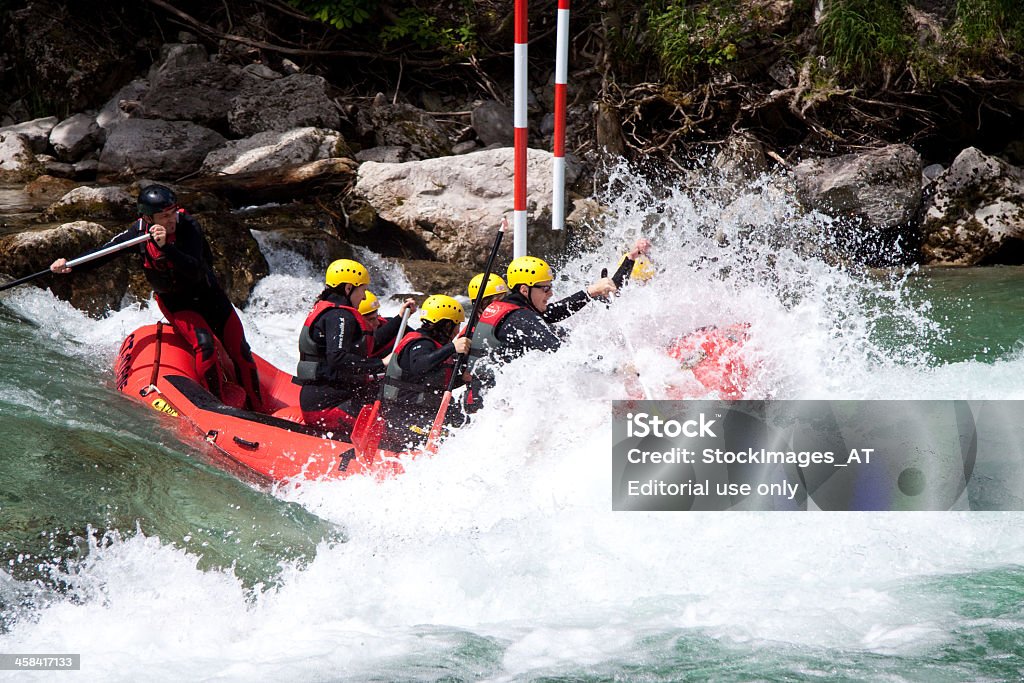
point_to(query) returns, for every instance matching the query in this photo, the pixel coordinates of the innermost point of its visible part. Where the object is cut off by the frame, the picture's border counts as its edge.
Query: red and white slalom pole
(561, 81)
(519, 121)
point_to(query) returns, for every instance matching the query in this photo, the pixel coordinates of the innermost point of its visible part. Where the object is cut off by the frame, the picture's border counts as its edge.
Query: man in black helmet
(178, 263)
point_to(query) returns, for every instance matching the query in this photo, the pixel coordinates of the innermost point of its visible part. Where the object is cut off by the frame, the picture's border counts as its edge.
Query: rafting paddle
(113, 248)
(369, 429)
(435, 430)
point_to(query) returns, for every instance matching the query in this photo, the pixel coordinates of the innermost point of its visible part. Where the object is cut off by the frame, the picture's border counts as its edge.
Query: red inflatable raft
(155, 366)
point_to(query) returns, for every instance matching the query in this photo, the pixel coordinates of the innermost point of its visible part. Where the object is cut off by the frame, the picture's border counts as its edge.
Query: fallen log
(281, 183)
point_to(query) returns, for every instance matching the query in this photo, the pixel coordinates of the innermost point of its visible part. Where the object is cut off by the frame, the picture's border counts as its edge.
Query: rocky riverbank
(426, 185)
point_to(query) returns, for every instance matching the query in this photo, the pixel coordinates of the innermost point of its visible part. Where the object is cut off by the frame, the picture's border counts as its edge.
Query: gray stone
(92, 203)
(454, 204)
(383, 155)
(976, 213)
(465, 147)
(283, 104)
(493, 123)
(275, 148)
(16, 156)
(74, 137)
(882, 186)
(177, 56)
(36, 132)
(202, 93)
(159, 149)
(261, 71)
(112, 112)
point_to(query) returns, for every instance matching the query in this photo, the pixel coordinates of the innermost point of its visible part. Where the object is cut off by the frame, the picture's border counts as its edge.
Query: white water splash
(507, 536)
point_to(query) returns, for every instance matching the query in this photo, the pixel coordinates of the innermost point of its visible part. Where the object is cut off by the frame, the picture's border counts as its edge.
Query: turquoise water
(500, 559)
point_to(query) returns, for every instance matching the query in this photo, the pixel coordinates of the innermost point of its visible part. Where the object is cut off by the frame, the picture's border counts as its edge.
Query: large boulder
(17, 162)
(177, 56)
(202, 93)
(94, 291)
(156, 149)
(36, 132)
(93, 203)
(882, 185)
(453, 205)
(492, 122)
(125, 103)
(75, 136)
(282, 104)
(877, 192)
(272, 149)
(403, 125)
(975, 215)
(236, 258)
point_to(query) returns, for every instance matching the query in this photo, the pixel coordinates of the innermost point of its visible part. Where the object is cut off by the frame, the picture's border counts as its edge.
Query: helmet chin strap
(529, 299)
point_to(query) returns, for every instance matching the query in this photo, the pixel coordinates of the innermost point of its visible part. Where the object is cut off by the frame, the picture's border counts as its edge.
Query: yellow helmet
(369, 304)
(643, 269)
(348, 272)
(439, 307)
(528, 270)
(495, 285)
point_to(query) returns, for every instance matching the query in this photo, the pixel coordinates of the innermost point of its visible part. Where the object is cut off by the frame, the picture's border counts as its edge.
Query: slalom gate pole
(521, 134)
(561, 87)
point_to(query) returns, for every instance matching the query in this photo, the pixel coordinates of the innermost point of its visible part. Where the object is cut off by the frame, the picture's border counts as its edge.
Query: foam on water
(501, 557)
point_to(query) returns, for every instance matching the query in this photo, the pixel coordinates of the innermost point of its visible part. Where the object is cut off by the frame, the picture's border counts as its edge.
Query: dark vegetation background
(654, 80)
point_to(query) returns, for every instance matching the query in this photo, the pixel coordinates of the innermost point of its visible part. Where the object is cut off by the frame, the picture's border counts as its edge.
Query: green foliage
(988, 29)
(341, 14)
(688, 38)
(415, 25)
(863, 38)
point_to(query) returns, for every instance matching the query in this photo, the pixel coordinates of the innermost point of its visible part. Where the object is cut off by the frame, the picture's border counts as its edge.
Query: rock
(93, 203)
(931, 172)
(742, 158)
(112, 113)
(453, 205)
(383, 155)
(976, 213)
(201, 93)
(465, 147)
(33, 251)
(261, 71)
(878, 191)
(49, 187)
(36, 132)
(432, 277)
(283, 104)
(273, 148)
(160, 149)
(86, 170)
(58, 168)
(177, 56)
(403, 125)
(492, 122)
(17, 161)
(75, 136)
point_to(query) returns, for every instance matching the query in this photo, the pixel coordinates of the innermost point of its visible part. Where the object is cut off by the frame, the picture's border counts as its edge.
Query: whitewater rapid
(500, 558)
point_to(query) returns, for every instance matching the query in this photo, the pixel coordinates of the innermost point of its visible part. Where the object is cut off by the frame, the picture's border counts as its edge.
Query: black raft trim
(204, 400)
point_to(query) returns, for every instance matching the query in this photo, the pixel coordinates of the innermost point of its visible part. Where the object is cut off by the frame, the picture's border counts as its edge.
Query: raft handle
(211, 435)
(245, 443)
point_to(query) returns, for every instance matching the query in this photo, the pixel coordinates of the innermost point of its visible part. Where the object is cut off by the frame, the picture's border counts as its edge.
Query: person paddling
(336, 370)
(419, 371)
(385, 329)
(178, 263)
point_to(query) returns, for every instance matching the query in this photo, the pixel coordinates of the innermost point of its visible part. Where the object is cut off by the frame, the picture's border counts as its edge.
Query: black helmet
(155, 199)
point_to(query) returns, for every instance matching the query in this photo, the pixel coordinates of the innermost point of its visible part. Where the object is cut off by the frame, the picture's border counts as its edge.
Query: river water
(500, 559)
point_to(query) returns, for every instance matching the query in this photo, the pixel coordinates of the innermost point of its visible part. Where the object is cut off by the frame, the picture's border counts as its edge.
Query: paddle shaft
(82, 259)
(435, 430)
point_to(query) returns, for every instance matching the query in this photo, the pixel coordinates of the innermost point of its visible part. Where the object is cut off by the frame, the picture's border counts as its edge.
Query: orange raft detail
(155, 367)
(715, 356)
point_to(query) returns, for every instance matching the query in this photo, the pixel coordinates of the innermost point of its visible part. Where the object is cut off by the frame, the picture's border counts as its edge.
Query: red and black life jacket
(313, 356)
